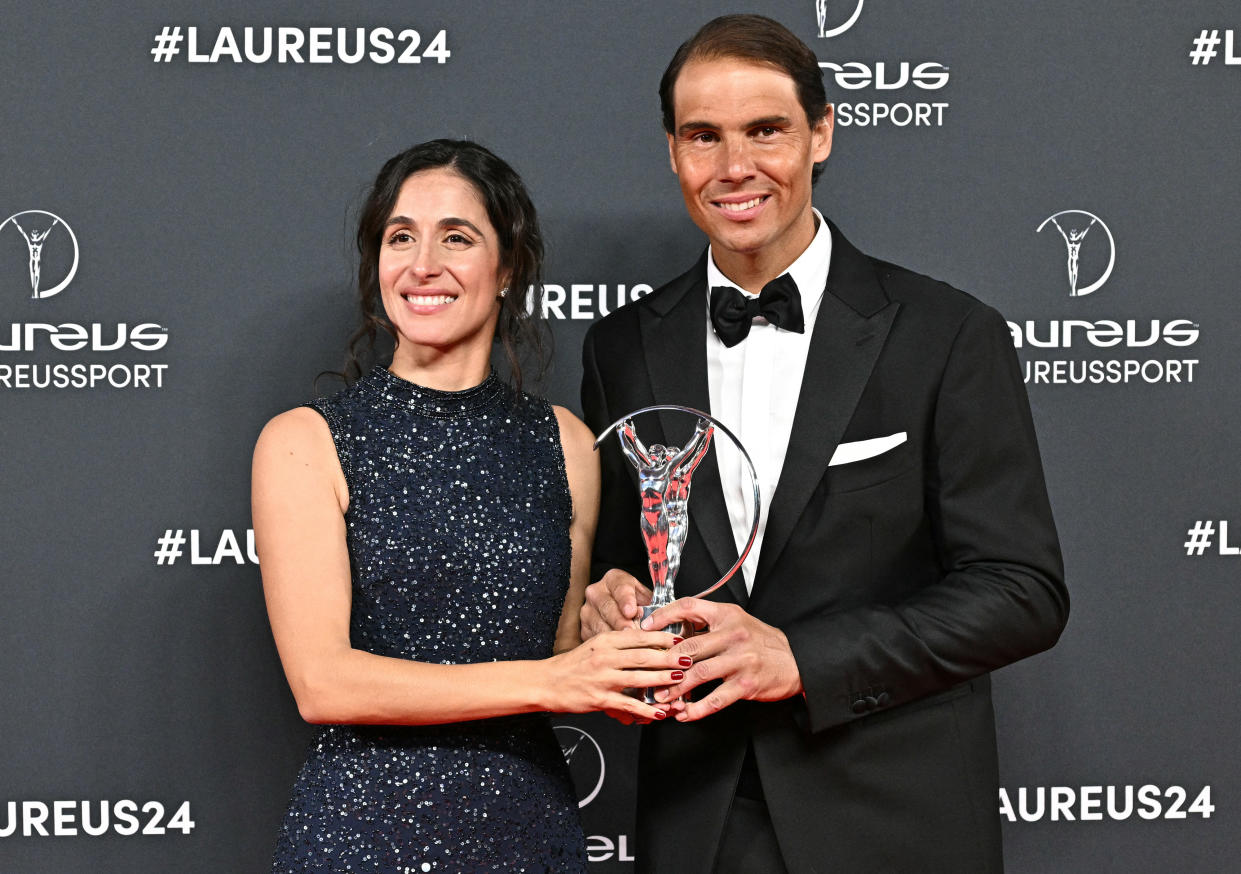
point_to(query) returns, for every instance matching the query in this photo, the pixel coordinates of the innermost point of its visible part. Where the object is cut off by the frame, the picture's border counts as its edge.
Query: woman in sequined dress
(425, 540)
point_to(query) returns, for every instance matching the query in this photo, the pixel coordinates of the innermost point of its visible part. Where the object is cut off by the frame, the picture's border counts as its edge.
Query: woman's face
(439, 264)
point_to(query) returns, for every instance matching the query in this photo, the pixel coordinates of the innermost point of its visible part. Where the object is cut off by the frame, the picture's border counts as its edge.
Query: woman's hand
(594, 675)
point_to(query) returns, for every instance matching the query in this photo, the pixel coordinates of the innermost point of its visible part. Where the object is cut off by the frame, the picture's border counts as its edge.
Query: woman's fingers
(634, 638)
(638, 679)
(650, 659)
(621, 706)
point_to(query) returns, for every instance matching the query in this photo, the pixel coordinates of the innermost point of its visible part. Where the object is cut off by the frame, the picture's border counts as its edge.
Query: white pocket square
(857, 450)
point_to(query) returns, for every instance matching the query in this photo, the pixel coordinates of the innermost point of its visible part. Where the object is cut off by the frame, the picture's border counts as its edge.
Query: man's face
(743, 152)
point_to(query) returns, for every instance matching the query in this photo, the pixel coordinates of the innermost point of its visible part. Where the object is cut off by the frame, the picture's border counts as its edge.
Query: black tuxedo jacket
(900, 580)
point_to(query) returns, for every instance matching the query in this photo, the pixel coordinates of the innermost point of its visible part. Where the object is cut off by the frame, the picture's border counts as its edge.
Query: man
(844, 720)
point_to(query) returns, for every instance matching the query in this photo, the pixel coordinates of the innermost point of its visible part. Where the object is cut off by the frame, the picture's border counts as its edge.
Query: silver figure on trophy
(664, 478)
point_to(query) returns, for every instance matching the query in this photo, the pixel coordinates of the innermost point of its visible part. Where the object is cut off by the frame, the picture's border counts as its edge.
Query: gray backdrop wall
(200, 209)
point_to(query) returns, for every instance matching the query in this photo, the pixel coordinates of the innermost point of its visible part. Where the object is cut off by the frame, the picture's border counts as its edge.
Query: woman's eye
(457, 239)
(399, 237)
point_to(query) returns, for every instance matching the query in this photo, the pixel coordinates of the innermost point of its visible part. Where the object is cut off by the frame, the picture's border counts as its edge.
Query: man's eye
(704, 137)
(768, 131)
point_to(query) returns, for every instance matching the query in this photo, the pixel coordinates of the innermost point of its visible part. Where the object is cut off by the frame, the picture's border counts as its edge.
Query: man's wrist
(796, 687)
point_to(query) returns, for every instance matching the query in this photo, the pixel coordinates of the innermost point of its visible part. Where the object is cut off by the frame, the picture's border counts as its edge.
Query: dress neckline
(390, 389)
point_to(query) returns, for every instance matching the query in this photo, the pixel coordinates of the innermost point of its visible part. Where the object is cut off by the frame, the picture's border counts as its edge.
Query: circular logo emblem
(1074, 225)
(584, 757)
(49, 254)
(821, 13)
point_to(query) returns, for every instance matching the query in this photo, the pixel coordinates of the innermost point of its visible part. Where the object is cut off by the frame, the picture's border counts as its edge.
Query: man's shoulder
(929, 301)
(922, 292)
(869, 284)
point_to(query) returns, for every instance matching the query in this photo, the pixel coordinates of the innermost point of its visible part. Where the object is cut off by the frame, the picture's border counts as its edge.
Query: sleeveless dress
(458, 536)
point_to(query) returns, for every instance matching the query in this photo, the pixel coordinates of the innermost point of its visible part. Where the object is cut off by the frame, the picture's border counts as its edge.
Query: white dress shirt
(754, 388)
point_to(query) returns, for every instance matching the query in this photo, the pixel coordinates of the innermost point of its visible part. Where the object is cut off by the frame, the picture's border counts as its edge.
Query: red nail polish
(685, 662)
(678, 675)
(659, 714)
(677, 640)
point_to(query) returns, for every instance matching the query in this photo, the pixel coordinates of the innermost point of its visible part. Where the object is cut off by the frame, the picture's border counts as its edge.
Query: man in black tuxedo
(844, 721)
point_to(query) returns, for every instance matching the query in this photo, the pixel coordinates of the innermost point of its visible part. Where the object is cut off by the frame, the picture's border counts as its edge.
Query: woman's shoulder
(296, 455)
(312, 430)
(574, 435)
(580, 459)
(299, 431)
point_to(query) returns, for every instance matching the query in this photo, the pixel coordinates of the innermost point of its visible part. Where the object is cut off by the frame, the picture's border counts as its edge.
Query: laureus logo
(584, 757)
(821, 13)
(49, 241)
(1074, 225)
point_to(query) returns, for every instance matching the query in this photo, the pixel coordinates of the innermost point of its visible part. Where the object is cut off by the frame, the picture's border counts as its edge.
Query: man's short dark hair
(755, 38)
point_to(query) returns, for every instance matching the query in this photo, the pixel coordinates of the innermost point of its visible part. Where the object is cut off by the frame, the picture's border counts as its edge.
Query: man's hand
(752, 658)
(612, 603)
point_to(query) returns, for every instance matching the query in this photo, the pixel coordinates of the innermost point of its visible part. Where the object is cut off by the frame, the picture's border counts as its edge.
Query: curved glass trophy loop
(663, 594)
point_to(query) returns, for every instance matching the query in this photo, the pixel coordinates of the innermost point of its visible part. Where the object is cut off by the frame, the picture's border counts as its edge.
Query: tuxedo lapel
(852, 325)
(674, 340)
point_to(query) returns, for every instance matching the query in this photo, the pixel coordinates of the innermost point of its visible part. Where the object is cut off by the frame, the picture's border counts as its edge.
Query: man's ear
(822, 134)
(672, 155)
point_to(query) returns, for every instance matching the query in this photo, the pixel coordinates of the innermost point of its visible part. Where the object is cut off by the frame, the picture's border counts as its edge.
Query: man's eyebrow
(769, 121)
(765, 121)
(690, 126)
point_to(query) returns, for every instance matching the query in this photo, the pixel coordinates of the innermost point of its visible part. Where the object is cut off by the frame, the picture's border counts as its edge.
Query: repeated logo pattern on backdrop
(176, 267)
(46, 265)
(1074, 237)
(584, 757)
(585, 301)
(1211, 537)
(93, 819)
(1106, 351)
(881, 77)
(35, 227)
(1099, 803)
(826, 30)
(229, 548)
(1206, 48)
(297, 45)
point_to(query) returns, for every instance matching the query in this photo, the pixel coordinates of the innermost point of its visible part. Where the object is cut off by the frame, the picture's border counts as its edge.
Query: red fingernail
(678, 675)
(677, 640)
(685, 662)
(659, 714)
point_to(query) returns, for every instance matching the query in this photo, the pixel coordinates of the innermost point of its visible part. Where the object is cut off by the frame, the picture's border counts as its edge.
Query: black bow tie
(732, 312)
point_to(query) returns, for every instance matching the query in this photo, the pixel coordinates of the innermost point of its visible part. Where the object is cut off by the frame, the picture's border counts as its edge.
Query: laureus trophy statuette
(664, 475)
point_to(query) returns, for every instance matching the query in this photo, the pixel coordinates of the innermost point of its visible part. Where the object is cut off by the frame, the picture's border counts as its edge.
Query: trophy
(664, 475)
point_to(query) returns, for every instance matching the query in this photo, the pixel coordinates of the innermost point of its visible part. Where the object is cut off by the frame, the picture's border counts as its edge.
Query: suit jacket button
(859, 706)
(883, 699)
(871, 703)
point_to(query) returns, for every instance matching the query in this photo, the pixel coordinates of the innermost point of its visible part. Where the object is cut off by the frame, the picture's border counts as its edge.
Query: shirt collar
(809, 271)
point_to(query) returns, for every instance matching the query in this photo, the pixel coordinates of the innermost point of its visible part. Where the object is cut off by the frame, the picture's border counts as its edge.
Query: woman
(425, 539)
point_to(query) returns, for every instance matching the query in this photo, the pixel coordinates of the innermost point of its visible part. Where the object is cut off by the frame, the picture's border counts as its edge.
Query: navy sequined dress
(458, 535)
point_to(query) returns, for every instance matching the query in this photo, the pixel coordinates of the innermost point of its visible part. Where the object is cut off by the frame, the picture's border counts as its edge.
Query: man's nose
(738, 155)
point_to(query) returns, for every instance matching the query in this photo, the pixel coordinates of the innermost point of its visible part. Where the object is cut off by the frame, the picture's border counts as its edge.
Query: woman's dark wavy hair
(513, 216)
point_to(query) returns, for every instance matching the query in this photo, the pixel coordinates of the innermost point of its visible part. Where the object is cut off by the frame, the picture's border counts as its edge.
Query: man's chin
(744, 242)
